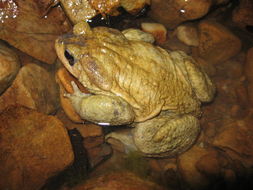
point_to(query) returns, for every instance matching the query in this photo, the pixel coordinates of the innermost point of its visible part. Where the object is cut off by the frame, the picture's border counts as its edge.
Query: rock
(24, 26)
(9, 66)
(211, 164)
(217, 43)
(188, 34)
(98, 154)
(118, 180)
(64, 78)
(134, 6)
(157, 30)
(34, 87)
(33, 148)
(206, 66)
(173, 12)
(237, 140)
(90, 130)
(248, 70)
(172, 43)
(219, 2)
(243, 14)
(187, 168)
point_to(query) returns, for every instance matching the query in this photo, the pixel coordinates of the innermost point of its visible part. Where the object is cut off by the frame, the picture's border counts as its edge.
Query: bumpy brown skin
(150, 79)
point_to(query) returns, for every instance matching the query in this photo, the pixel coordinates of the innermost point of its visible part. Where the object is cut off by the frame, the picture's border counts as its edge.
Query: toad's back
(148, 77)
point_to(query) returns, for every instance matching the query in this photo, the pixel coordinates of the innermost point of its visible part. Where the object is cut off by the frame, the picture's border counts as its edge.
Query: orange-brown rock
(236, 139)
(172, 43)
(211, 164)
(218, 2)
(243, 14)
(64, 78)
(24, 27)
(217, 43)
(187, 167)
(33, 148)
(248, 70)
(157, 30)
(34, 87)
(98, 154)
(9, 66)
(173, 12)
(188, 34)
(118, 180)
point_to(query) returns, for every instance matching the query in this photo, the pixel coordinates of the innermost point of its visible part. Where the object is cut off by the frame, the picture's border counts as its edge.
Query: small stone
(172, 43)
(157, 30)
(172, 13)
(34, 87)
(188, 34)
(248, 70)
(9, 66)
(98, 154)
(123, 180)
(217, 43)
(187, 167)
(33, 148)
(116, 145)
(91, 142)
(90, 130)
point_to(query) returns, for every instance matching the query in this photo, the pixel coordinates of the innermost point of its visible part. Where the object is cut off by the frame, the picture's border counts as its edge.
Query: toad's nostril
(69, 57)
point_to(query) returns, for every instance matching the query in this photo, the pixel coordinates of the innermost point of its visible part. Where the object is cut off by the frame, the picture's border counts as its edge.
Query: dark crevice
(75, 173)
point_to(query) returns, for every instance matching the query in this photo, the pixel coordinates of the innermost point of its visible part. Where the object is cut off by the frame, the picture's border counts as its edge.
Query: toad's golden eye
(69, 57)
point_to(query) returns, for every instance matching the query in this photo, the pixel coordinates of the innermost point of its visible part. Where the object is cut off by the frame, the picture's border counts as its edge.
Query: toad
(133, 82)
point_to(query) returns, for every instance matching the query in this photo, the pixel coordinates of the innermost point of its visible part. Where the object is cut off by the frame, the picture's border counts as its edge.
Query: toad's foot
(166, 135)
(125, 137)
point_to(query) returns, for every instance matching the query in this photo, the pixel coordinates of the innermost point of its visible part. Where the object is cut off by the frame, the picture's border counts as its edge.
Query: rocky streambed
(44, 144)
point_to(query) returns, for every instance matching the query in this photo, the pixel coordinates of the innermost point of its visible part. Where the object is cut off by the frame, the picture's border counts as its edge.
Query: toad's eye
(69, 57)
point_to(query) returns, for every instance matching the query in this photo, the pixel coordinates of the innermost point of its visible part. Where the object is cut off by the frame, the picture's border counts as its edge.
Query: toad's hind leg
(166, 136)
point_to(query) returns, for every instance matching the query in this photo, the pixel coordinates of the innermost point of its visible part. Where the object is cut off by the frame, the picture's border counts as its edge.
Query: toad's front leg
(101, 109)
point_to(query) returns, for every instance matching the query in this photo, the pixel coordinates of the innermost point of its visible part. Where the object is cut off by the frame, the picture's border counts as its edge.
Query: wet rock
(187, 168)
(172, 43)
(173, 12)
(9, 66)
(243, 14)
(206, 66)
(64, 78)
(24, 27)
(33, 147)
(217, 43)
(236, 139)
(92, 139)
(34, 87)
(157, 30)
(98, 154)
(94, 143)
(211, 164)
(118, 180)
(248, 70)
(188, 34)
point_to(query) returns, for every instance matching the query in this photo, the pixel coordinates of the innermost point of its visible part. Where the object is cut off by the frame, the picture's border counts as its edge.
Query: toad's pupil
(69, 57)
